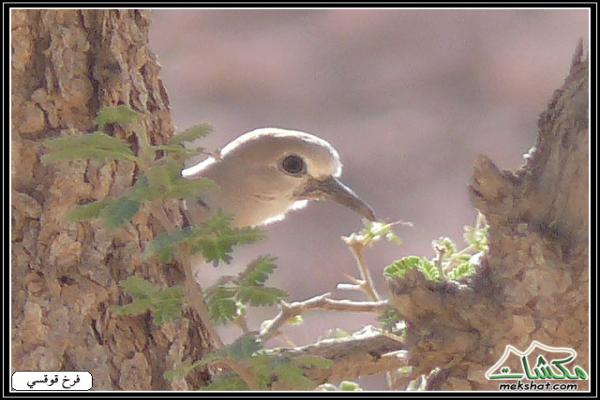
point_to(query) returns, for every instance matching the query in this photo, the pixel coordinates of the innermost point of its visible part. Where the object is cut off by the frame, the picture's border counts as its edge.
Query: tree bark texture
(66, 65)
(533, 284)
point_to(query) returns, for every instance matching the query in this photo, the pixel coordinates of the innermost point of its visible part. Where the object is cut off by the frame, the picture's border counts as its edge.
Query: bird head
(267, 172)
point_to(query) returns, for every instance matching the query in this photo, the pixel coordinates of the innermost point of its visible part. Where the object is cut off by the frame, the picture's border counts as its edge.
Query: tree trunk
(533, 284)
(66, 65)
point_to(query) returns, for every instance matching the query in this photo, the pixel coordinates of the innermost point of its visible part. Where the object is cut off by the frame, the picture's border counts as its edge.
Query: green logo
(541, 368)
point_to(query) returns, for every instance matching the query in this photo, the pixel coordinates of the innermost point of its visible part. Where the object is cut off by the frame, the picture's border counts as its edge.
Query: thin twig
(368, 286)
(322, 302)
(242, 323)
(439, 259)
(349, 286)
(195, 298)
(354, 280)
(286, 339)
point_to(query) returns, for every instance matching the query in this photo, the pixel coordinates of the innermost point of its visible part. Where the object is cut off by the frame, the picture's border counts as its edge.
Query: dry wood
(367, 352)
(533, 284)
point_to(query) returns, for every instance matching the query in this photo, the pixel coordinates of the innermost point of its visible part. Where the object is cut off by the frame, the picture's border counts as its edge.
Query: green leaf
(162, 175)
(165, 244)
(138, 287)
(93, 146)
(183, 188)
(222, 305)
(141, 191)
(373, 232)
(445, 245)
(114, 212)
(310, 361)
(88, 211)
(390, 319)
(177, 149)
(429, 270)
(119, 212)
(168, 304)
(185, 368)
(293, 377)
(460, 258)
(349, 386)
(227, 382)
(137, 307)
(227, 298)
(243, 347)
(263, 364)
(462, 270)
(165, 303)
(260, 296)
(258, 271)
(220, 292)
(398, 268)
(214, 239)
(121, 115)
(296, 320)
(477, 237)
(191, 134)
(165, 181)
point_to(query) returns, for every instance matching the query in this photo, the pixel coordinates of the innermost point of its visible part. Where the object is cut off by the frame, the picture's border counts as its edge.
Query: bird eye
(293, 165)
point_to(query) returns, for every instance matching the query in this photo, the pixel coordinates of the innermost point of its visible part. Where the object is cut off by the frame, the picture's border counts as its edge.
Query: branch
(195, 298)
(367, 352)
(322, 302)
(367, 284)
(357, 242)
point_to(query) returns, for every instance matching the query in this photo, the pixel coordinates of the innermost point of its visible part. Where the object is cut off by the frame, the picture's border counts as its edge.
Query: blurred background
(409, 98)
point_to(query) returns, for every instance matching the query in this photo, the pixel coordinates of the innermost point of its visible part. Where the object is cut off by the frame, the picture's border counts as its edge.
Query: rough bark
(66, 65)
(533, 284)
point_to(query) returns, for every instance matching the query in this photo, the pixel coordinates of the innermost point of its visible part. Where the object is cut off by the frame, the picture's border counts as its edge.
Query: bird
(260, 177)
(266, 173)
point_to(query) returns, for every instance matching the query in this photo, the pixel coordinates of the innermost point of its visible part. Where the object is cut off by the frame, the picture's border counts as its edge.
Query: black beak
(332, 189)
